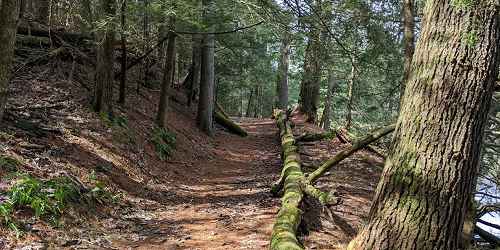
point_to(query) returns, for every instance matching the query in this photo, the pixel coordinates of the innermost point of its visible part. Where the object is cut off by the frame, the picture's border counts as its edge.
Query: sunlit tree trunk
(325, 118)
(103, 96)
(423, 195)
(350, 95)
(282, 82)
(9, 11)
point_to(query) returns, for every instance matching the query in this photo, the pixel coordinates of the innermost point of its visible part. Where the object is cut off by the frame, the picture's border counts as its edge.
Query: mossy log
(229, 124)
(294, 186)
(362, 143)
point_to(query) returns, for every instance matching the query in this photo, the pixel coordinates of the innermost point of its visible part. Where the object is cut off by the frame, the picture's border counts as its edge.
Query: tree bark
(167, 81)
(350, 96)
(194, 83)
(408, 39)
(43, 11)
(309, 87)
(206, 102)
(9, 11)
(325, 118)
(123, 75)
(103, 96)
(282, 82)
(429, 175)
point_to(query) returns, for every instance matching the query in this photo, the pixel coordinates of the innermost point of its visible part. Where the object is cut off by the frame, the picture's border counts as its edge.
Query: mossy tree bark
(429, 175)
(9, 12)
(408, 39)
(123, 76)
(325, 118)
(310, 85)
(103, 96)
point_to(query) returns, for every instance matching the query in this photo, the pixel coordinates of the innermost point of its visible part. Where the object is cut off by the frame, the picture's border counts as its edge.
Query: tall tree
(282, 82)
(350, 94)
(207, 81)
(326, 117)
(425, 188)
(103, 96)
(310, 85)
(409, 39)
(194, 81)
(168, 77)
(44, 11)
(123, 75)
(9, 11)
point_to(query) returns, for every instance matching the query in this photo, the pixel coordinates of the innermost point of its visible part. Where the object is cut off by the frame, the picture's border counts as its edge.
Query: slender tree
(350, 94)
(207, 80)
(282, 82)
(194, 82)
(44, 11)
(9, 12)
(123, 75)
(103, 96)
(167, 81)
(325, 118)
(409, 39)
(423, 195)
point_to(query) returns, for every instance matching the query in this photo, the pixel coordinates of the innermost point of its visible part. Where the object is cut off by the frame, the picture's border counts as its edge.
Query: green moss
(470, 38)
(463, 4)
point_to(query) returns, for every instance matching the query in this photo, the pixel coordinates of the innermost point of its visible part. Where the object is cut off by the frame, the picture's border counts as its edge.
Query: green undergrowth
(121, 131)
(164, 142)
(45, 199)
(9, 164)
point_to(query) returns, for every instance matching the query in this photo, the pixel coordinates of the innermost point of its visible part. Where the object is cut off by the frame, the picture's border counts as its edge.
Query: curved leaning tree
(426, 186)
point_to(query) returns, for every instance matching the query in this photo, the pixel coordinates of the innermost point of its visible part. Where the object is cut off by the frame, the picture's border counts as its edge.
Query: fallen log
(229, 124)
(362, 143)
(67, 36)
(294, 186)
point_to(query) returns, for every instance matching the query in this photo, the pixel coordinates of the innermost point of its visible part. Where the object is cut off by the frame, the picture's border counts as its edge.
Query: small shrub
(164, 142)
(9, 164)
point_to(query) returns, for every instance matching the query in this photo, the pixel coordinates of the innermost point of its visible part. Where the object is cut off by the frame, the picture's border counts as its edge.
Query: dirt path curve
(230, 207)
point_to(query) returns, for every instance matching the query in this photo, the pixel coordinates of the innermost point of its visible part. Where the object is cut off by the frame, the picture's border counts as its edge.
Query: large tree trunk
(309, 87)
(422, 198)
(167, 81)
(282, 82)
(206, 102)
(103, 96)
(325, 118)
(409, 39)
(9, 12)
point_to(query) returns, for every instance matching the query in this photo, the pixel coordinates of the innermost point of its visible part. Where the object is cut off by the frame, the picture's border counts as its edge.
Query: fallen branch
(229, 124)
(68, 36)
(294, 186)
(490, 238)
(326, 166)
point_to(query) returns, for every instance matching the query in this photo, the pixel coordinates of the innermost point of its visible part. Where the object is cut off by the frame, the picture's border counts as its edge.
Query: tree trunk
(123, 76)
(87, 16)
(350, 97)
(309, 87)
(196, 68)
(167, 81)
(103, 96)
(249, 104)
(422, 198)
(145, 30)
(206, 102)
(325, 118)
(9, 11)
(44, 11)
(409, 39)
(282, 82)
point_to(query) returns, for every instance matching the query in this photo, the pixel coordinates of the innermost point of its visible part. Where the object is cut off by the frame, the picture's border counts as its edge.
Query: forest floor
(213, 193)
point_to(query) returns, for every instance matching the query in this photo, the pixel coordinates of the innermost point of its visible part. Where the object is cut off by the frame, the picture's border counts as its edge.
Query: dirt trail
(230, 207)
